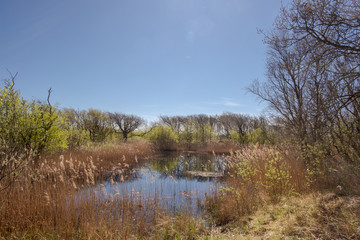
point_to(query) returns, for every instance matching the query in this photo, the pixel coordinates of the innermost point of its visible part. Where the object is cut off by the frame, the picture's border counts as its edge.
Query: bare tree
(334, 23)
(175, 122)
(125, 124)
(201, 121)
(313, 72)
(224, 125)
(285, 88)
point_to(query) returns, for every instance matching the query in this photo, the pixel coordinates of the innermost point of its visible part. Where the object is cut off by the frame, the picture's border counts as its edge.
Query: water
(175, 181)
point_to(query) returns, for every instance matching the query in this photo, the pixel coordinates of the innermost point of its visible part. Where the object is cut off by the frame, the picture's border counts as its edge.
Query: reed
(257, 175)
(58, 199)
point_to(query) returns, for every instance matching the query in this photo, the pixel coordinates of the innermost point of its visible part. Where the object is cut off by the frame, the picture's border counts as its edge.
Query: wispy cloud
(230, 102)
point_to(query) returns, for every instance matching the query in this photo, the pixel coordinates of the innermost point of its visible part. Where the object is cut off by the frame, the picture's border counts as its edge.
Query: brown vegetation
(57, 199)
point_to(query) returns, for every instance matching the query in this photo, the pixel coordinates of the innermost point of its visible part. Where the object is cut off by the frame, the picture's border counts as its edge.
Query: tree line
(38, 126)
(98, 126)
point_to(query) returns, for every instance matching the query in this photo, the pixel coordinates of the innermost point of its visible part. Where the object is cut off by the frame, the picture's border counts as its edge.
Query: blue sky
(145, 57)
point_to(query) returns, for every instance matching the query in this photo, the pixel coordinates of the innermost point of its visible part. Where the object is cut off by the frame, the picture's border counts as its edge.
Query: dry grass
(311, 216)
(60, 198)
(56, 198)
(183, 226)
(49, 212)
(266, 197)
(95, 163)
(257, 175)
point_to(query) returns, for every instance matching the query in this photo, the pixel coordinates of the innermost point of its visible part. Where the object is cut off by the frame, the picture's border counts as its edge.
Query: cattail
(112, 181)
(73, 184)
(47, 199)
(71, 164)
(62, 166)
(122, 178)
(87, 177)
(91, 177)
(136, 160)
(123, 158)
(61, 178)
(92, 165)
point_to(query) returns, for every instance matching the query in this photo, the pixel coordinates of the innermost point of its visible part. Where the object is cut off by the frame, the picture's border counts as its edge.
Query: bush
(163, 137)
(257, 175)
(27, 129)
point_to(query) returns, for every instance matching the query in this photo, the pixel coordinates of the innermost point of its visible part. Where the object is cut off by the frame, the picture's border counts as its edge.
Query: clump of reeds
(257, 174)
(61, 197)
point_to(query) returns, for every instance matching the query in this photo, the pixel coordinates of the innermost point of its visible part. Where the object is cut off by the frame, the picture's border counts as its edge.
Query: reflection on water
(166, 180)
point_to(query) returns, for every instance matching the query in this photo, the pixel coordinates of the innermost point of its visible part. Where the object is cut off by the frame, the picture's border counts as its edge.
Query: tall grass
(262, 175)
(58, 199)
(257, 175)
(61, 198)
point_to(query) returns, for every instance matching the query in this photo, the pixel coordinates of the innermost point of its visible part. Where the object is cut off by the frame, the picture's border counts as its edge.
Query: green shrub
(27, 129)
(276, 179)
(162, 136)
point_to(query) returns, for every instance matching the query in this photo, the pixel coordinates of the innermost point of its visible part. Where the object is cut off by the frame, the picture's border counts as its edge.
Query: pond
(176, 181)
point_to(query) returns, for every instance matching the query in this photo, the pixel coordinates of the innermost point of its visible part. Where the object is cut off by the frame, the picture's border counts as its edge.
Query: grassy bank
(309, 216)
(273, 193)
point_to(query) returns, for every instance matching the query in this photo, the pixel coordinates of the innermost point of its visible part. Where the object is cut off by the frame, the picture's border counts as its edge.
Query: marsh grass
(265, 195)
(258, 175)
(268, 195)
(311, 216)
(45, 202)
(61, 198)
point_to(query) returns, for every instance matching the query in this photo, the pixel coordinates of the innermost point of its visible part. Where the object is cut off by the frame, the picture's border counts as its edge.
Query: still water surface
(175, 181)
